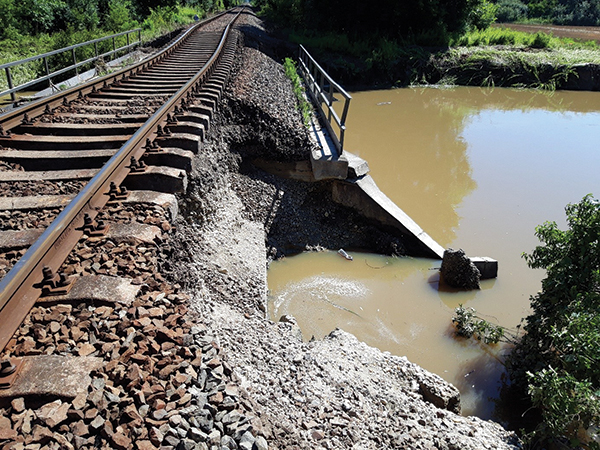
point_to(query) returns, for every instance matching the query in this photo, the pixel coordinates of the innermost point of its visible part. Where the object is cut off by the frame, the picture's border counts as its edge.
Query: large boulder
(458, 271)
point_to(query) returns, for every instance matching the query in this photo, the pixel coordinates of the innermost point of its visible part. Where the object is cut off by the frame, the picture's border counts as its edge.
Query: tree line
(34, 17)
(559, 12)
(428, 21)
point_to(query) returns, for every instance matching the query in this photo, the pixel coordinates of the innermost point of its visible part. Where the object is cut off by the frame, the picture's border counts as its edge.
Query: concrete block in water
(488, 267)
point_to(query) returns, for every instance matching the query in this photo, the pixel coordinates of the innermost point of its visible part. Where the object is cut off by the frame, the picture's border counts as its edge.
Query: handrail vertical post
(96, 48)
(315, 77)
(75, 62)
(127, 41)
(13, 97)
(47, 71)
(330, 101)
(112, 55)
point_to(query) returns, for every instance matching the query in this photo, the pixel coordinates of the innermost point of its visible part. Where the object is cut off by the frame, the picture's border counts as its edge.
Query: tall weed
(303, 106)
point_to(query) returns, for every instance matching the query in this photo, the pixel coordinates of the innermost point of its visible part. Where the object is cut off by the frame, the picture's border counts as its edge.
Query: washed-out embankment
(331, 393)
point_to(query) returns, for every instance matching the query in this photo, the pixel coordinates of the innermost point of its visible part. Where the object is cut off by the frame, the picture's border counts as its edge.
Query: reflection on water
(477, 169)
(398, 133)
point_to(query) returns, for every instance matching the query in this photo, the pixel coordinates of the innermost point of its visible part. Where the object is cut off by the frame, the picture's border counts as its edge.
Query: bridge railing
(76, 64)
(323, 91)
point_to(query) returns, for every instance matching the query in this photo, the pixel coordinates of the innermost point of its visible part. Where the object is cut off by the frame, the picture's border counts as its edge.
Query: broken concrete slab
(295, 170)
(488, 267)
(167, 201)
(133, 232)
(161, 179)
(357, 167)
(365, 196)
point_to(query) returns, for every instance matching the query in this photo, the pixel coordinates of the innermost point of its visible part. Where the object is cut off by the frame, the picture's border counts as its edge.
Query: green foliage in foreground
(303, 106)
(469, 325)
(558, 359)
(556, 363)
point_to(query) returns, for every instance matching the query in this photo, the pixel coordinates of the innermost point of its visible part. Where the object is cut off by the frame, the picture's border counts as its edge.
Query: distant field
(573, 32)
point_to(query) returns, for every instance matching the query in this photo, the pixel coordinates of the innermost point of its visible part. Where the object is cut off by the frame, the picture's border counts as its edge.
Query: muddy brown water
(477, 169)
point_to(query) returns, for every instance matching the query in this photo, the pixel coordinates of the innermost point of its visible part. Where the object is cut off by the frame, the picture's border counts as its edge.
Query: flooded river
(477, 169)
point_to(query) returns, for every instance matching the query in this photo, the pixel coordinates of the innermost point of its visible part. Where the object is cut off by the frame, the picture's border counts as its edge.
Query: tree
(42, 16)
(84, 14)
(118, 17)
(6, 16)
(511, 10)
(391, 19)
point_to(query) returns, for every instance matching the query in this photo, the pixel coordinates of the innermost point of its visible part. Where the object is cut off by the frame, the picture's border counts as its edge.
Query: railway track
(87, 184)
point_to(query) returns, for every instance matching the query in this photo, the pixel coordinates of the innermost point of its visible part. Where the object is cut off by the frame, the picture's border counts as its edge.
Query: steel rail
(35, 109)
(18, 292)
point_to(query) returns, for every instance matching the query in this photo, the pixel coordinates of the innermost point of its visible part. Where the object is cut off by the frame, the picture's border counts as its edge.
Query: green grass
(303, 105)
(508, 37)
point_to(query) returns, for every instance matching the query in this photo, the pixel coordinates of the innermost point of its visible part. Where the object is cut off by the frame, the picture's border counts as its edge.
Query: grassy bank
(492, 57)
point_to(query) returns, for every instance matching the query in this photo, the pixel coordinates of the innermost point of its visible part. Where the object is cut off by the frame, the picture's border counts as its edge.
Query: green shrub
(540, 40)
(511, 11)
(558, 359)
(483, 15)
(468, 325)
(118, 17)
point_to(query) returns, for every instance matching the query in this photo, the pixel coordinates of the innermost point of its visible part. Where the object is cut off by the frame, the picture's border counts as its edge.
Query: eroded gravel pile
(336, 393)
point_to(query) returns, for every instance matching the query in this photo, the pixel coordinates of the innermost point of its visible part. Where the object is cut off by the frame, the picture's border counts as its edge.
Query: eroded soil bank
(334, 393)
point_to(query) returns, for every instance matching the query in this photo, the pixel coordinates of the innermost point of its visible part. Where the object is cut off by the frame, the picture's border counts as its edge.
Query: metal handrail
(315, 77)
(44, 56)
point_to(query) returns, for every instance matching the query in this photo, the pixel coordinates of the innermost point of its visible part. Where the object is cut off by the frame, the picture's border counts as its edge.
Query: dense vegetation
(426, 21)
(557, 361)
(33, 17)
(560, 12)
(31, 27)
